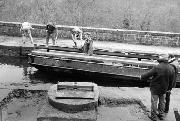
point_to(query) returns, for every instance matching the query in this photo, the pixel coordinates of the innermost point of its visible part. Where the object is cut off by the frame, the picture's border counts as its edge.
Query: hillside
(155, 15)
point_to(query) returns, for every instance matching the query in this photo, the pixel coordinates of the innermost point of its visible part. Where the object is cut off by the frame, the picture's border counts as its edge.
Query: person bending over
(75, 33)
(26, 32)
(51, 30)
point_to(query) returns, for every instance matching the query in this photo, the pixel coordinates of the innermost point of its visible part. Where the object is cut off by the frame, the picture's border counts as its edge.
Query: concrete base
(74, 100)
(49, 113)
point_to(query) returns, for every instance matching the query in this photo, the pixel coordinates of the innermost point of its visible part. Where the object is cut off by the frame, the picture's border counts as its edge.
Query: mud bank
(22, 105)
(25, 105)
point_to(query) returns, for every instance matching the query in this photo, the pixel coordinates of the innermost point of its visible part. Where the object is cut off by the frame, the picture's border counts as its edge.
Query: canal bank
(9, 44)
(25, 103)
(109, 95)
(114, 103)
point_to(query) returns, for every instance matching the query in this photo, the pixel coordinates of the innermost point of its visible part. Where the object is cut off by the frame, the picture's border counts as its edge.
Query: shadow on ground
(100, 79)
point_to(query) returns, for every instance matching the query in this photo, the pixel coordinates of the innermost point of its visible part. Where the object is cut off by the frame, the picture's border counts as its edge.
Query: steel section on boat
(119, 53)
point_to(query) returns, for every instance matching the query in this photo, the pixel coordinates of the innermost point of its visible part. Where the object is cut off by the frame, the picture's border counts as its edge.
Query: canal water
(16, 70)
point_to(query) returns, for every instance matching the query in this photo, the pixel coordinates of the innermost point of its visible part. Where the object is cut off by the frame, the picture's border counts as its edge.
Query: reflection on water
(17, 70)
(11, 73)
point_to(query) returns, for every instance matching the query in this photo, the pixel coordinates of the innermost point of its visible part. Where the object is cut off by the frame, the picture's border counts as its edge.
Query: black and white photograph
(89, 60)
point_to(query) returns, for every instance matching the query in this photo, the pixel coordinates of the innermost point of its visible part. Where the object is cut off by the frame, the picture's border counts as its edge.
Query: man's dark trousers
(168, 93)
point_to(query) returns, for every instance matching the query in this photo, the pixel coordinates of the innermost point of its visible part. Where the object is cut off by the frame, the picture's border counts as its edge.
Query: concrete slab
(25, 86)
(73, 100)
(104, 113)
(4, 93)
(51, 114)
(142, 94)
(121, 113)
(24, 107)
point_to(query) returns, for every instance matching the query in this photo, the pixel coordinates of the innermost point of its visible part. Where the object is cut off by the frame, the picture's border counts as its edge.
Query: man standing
(26, 31)
(161, 75)
(51, 31)
(174, 63)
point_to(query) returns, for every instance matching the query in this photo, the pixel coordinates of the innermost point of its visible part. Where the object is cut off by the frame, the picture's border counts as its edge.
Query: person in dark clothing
(161, 75)
(51, 31)
(88, 45)
(174, 63)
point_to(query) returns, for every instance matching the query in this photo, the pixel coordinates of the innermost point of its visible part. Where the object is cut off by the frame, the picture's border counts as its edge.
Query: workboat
(59, 58)
(81, 62)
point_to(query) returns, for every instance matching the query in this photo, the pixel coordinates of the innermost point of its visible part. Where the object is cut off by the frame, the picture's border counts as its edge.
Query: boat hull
(102, 64)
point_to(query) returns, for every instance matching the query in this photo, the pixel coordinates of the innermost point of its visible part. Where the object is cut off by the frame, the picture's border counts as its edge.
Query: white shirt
(26, 25)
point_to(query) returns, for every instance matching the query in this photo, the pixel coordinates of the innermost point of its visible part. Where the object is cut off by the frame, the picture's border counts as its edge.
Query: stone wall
(15, 51)
(101, 34)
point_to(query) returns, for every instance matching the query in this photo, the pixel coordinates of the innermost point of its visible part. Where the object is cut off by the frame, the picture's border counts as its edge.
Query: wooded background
(148, 15)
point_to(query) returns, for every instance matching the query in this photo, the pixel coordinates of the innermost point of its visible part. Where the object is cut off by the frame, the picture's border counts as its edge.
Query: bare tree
(44, 10)
(128, 20)
(2, 5)
(78, 12)
(146, 22)
(153, 15)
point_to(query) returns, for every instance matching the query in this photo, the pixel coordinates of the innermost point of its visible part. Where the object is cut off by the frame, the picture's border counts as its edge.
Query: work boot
(166, 111)
(161, 117)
